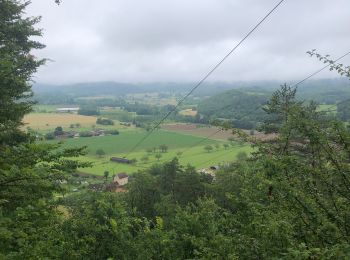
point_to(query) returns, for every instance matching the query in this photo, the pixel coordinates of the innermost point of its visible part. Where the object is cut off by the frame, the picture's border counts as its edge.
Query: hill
(242, 107)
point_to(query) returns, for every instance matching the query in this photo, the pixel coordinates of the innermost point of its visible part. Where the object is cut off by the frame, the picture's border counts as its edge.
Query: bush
(86, 134)
(88, 111)
(112, 132)
(104, 121)
(50, 136)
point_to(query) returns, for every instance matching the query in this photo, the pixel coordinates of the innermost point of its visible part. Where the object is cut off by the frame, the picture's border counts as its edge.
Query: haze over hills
(118, 88)
(102, 165)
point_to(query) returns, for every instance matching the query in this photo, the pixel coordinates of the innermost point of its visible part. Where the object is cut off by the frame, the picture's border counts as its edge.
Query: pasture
(327, 108)
(177, 143)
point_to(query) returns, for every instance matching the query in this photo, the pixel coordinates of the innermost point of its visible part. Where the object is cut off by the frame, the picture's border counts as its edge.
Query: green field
(45, 108)
(119, 145)
(327, 108)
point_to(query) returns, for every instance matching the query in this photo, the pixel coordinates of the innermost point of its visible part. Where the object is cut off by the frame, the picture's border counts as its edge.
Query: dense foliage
(30, 173)
(288, 200)
(243, 108)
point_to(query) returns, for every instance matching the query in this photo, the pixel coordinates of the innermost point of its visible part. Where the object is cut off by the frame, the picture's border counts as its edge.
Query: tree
(106, 174)
(217, 146)
(208, 148)
(30, 173)
(50, 136)
(88, 110)
(104, 121)
(100, 152)
(179, 154)
(226, 146)
(17, 64)
(163, 148)
(241, 156)
(58, 131)
(145, 159)
(158, 156)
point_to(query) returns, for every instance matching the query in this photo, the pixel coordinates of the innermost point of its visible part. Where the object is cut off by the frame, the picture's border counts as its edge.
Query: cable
(205, 77)
(251, 112)
(310, 76)
(318, 71)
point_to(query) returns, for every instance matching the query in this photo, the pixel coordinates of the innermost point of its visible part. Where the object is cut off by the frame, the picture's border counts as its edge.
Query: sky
(180, 41)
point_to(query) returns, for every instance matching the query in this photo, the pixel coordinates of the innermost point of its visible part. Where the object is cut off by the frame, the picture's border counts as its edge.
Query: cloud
(163, 40)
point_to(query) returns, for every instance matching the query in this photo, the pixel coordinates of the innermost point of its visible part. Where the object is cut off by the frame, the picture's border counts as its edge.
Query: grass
(45, 108)
(196, 157)
(331, 108)
(119, 145)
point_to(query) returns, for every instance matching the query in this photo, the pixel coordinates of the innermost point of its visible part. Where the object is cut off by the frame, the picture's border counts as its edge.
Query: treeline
(288, 200)
(243, 109)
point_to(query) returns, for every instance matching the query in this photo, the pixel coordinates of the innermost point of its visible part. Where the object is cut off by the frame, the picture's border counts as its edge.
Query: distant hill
(242, 107)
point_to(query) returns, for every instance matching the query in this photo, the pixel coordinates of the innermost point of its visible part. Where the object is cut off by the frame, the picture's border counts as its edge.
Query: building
(121, 160)
(67, 109)
(121, 179)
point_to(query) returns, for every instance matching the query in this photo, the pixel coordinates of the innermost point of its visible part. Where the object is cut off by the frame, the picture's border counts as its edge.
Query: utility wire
(259, 107)
(205, 77)
(318, 71)
(305, 79)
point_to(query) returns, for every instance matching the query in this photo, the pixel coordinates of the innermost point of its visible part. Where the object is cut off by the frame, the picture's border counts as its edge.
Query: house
(121, 160)
(121, 179)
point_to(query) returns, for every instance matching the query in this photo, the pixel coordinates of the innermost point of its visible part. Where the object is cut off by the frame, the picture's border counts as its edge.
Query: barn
(121, 160)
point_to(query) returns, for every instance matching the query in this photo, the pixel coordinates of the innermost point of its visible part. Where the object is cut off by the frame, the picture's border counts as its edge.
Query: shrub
(50, 136)
(104, 121)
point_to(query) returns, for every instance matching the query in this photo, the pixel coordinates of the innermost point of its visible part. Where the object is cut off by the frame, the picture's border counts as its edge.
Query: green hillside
(242, 107)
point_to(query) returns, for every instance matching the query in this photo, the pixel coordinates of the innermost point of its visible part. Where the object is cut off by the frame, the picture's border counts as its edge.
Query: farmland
(185, 141)
(176, 143)
(45, 121)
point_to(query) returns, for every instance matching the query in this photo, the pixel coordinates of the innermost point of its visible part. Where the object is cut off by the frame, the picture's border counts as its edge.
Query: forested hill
(243, 107)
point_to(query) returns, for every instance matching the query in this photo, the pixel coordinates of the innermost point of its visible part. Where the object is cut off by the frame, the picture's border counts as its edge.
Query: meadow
(177, 143)
(184, 141)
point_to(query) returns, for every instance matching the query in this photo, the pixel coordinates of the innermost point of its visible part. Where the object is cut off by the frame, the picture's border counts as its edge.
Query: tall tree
(17, 65)
(30, 173)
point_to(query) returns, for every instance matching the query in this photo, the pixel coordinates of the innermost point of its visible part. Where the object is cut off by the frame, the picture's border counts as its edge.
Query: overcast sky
(181, 40)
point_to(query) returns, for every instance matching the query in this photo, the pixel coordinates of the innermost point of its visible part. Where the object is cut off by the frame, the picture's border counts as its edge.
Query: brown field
(44, 121)
(188, 112)
(193, 129)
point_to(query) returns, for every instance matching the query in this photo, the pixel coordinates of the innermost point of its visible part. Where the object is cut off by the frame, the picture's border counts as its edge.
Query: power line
(259, 107)
(318, 71)
(205, 77)
(305, 79)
